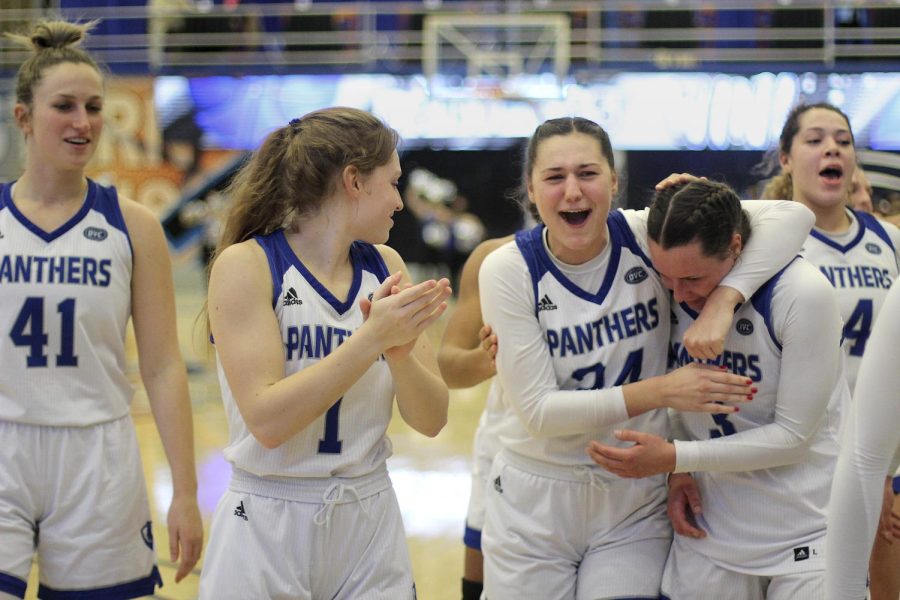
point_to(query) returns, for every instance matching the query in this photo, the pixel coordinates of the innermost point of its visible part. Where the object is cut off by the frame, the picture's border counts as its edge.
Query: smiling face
(378, 201)
(63, 124)
(572, 184)
(821, 159)
(689, 273)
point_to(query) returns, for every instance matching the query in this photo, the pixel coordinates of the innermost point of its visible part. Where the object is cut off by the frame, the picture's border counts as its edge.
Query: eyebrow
(821, 130)
(581, 166)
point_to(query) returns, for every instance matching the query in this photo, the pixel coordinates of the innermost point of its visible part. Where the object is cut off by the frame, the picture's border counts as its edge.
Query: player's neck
(50, 188)
(323, 247)
(833, 219)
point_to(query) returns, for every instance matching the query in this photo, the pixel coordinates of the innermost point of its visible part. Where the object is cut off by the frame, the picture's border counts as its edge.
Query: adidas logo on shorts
(497, 485)
(239, 511)
(801, 553)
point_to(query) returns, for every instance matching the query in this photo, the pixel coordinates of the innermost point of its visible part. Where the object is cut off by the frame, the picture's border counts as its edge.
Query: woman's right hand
(400, 315)
(697, 387)
(676, 179)
(487, 341)
(684, 505)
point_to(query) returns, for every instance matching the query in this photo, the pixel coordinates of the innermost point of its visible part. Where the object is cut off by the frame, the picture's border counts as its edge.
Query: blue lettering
(584, 335)
(552, 341)
(23, 269)
(323, 341)
(6, 270)
(293, 342)
(566, 342)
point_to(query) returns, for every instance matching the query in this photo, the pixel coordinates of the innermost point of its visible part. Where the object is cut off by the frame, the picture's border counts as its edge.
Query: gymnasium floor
(431, 476)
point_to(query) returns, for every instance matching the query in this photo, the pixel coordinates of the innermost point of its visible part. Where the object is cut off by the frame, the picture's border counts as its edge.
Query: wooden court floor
(431, 476)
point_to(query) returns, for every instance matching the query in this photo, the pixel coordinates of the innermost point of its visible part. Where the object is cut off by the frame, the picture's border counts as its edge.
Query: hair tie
(295, 121)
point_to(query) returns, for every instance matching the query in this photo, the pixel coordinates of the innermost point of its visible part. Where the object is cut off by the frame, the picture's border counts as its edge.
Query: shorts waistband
(590, 474)
(312, 490)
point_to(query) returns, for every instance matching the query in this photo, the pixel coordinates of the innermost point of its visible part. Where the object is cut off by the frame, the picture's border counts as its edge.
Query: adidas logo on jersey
(239, 511)
(873, 248)
(291, 298)
(546, 304)
(801, 553)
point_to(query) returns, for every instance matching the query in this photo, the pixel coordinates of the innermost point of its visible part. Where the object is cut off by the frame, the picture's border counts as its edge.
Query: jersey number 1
(31, 318)
(330, 444)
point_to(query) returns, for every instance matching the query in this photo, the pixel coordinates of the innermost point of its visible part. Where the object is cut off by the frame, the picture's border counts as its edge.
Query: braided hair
(702, 210)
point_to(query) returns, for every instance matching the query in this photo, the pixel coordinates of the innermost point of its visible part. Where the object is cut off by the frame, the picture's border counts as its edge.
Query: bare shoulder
(246, 259)
(392, 258)
(139, 219)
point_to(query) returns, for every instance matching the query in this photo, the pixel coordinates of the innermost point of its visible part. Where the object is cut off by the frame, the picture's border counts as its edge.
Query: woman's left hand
(650, 455)
(185, 534)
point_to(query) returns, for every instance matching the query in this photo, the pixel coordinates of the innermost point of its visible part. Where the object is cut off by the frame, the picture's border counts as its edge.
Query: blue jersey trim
(762, 302)
(102, 199)
(12, 585)
(867, 221)
(538, 261)
(280, 256)
(471, 538)
(146, 586)
(366, 257)
(106, 202)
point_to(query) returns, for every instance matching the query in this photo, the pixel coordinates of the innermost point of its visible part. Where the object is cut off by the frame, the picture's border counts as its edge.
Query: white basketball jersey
(861, 264)
(766, 521)
(66, 298)
(349, 439)
(597, 338)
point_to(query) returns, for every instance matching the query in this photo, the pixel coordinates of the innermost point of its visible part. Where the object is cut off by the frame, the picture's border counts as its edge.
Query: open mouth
(78, 141)
(831, 174)
(575, 217)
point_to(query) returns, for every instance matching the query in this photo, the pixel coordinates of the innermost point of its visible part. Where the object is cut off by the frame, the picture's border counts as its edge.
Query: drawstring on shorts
(335, 495)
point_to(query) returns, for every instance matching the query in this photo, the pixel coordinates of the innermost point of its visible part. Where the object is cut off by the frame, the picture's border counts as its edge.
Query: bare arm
(422, 395)
(165, 378)
(466, 357)
(250, 348)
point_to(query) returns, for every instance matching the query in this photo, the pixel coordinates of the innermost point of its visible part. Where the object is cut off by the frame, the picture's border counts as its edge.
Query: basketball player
(317, 330)
(583, 325)
(858, 253)
(872, 439)
(758, 480)
(76, 262)
(466, 358)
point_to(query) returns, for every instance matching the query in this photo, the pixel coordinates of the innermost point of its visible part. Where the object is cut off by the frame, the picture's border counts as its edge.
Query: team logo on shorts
(873, 248)
(96, 234)
(147, 534)
(240, 512)
(636, 275)
(801, 553)
(744, 327)
(291, 298)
